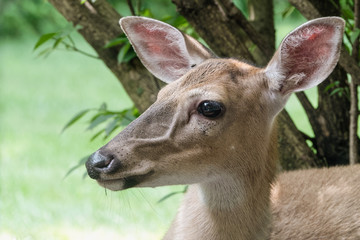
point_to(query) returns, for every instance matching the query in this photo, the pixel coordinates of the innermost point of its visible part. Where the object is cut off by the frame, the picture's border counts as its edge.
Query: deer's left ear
(306, 56)
(164, 50)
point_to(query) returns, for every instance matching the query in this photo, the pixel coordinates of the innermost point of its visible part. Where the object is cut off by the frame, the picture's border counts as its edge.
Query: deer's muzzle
(99, 163)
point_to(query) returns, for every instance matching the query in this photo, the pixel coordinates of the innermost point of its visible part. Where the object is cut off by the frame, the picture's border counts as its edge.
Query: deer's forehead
(219, 71)
(227, 78)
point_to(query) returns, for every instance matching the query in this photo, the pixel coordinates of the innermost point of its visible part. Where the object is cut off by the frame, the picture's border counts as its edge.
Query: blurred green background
(38, 96)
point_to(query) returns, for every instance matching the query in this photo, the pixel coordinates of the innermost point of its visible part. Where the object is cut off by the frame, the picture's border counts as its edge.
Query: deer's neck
(218, 210)
(234, 206)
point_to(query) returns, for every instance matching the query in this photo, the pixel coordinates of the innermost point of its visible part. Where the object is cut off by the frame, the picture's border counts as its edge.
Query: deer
(213, 127)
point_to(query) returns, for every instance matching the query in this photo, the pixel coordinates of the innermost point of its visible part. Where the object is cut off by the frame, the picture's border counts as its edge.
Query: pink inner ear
(157, 42)
(307, 50)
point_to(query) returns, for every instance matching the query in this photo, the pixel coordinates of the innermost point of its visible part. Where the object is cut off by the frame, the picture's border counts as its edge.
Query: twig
(354, 112)
(308, 107)
(132, 10)
(73, 47)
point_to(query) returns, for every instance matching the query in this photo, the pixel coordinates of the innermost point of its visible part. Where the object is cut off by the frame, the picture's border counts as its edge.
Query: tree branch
(309, 109)
(131, 7)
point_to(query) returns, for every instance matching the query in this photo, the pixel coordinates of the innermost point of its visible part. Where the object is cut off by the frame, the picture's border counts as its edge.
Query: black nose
(100, 163)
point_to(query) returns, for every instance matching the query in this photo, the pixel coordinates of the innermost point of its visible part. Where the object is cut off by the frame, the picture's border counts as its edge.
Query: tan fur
(229, 162)
(317, 204)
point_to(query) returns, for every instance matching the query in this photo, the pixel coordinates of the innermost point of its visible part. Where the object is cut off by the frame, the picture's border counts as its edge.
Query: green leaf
(80, 163)
(75, 119)
(331, 85)
(337, 90)
(97, 134)
(135, 112)
(129, 56)
(243, 6)
(111, 127)
(44, 38)
(348, 13)
(288, 11)
(122, 52)
(57, 42)
(354, 35)
(45, 52)
(99, 119)
(146, 13)
(116, 41)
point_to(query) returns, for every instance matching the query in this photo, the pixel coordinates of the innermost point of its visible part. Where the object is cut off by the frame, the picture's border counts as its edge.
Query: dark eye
(210, 109)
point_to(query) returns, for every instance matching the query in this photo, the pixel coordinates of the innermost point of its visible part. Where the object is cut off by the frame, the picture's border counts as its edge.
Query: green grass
(37, 97)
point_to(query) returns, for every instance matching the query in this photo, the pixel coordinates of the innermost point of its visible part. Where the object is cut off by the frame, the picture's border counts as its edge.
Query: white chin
(113, 185)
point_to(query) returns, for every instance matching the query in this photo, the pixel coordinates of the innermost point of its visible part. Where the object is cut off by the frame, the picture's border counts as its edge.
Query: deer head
(215, 117)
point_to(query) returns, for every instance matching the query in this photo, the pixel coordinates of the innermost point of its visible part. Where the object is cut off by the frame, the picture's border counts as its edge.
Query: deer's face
(215, 116)
(194, 131)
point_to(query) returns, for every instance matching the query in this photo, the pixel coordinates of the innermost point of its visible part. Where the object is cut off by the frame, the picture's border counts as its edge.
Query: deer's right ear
(306, 56)
(164, 50)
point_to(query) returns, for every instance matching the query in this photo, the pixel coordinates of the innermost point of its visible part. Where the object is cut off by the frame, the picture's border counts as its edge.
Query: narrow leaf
(98, 120)
(97, 134)
(288, 11)
(75, 119)
(57, 42)
(111, 127)
(116, 41)
(331, 85)
(337, 90)
(122, 52)
(45, 52)
(354, 35)
(44, 38)
(129, 56)
(80, 163)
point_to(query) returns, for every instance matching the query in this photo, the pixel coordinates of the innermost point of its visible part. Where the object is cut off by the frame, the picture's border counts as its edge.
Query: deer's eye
(210, 109)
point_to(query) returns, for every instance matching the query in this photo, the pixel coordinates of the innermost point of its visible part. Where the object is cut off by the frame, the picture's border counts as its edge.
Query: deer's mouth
(125, 182)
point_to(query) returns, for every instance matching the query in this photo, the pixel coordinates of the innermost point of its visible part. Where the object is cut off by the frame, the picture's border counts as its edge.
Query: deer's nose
(101, 163)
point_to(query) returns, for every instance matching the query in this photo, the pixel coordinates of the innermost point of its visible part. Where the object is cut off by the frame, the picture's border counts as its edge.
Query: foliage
(61, 39)
(21, 18)
(109, 120)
